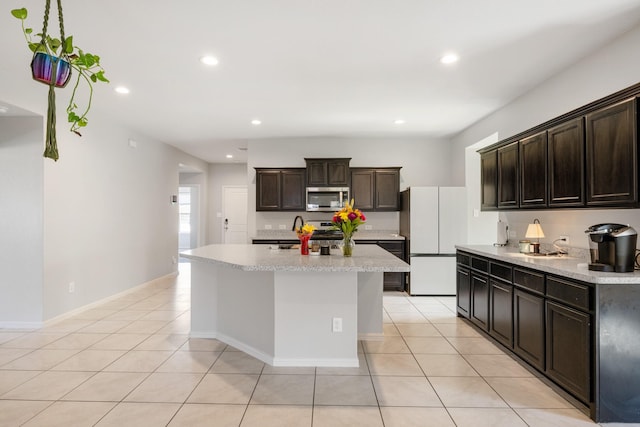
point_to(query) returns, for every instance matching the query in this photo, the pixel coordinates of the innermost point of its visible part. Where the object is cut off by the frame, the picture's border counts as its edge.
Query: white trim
(370, 337)
(23, 326)
(68, 314)
(260, 355)
(328, 363)
(203, 335)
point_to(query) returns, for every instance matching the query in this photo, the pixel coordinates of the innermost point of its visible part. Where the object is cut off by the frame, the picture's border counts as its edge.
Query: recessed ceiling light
(399, 122)
(229, 156)
(3, 109)
(123, 90)
(256, 122)
(209, 60)
(450, 58)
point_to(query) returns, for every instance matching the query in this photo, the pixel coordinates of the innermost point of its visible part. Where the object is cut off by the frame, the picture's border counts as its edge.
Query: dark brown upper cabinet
(376, 189)
(280, 189)
(328, 172)
(489, 180)
(611, 153)
(533, 171)
(566, 164)
(508, 177)
(592, 160)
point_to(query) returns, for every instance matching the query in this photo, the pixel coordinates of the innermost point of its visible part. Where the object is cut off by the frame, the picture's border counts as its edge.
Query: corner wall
(21, 211)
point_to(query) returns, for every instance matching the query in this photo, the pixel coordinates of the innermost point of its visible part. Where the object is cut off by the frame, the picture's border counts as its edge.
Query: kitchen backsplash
(571, 223)
(278, 221)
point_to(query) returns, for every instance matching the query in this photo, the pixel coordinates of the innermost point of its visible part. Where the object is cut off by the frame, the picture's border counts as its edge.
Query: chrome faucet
(295, 221)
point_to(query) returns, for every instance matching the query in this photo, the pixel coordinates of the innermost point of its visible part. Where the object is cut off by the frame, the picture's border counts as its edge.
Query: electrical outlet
(267, 226)
(72, 287)
(566, 240)
(282, 227)
(337, 324)
(512, 234)
(368, 227)
(174, 260)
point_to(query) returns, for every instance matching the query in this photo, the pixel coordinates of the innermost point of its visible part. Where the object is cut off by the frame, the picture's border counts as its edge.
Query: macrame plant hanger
(52, 71)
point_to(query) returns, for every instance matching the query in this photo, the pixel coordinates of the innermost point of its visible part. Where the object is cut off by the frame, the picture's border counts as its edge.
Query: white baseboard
(64, 316)
(371, 337)
(21, 325)
(325, 363)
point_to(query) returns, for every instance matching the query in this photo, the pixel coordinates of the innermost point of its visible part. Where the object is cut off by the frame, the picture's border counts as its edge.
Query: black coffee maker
(612, 247)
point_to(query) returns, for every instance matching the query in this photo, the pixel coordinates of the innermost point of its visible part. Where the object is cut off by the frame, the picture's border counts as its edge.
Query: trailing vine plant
(61, 54)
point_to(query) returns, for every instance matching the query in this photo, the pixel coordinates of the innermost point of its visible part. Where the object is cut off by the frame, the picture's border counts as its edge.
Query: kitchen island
(578, 328)
(288, 309)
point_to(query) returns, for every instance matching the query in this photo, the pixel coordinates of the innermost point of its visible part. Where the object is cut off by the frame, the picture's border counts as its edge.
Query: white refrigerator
(433, 220)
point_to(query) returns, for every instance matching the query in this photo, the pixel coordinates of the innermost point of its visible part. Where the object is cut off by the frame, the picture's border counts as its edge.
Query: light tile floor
(130, 362)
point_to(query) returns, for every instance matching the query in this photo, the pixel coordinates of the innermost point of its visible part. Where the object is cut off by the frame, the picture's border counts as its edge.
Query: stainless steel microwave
(326, 199)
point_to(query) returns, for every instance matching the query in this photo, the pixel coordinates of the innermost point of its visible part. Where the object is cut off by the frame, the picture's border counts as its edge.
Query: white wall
(424, 162)
(606, 71)
(100, 217)
(109, 223)
(21, 210)
(219, 176)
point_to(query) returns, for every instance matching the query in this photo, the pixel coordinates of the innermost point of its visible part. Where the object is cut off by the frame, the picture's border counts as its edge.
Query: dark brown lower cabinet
(463, 291)
(528, 327)
(501, 312)
(569, 349)
(480, 300)
(393, 281)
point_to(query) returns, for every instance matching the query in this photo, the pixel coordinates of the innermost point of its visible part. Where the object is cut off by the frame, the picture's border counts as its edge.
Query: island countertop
(366, 258)
(575, 268)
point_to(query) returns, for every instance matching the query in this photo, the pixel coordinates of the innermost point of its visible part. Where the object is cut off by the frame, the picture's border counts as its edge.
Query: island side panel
(370, 324)
(246, 311)
(204, 300)
(306, 303)
(618, 353)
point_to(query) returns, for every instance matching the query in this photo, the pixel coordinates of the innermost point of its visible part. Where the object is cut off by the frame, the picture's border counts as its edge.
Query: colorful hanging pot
(50, 70)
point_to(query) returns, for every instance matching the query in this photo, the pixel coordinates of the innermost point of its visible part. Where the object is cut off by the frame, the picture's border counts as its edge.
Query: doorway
(188, 208)
(234, 214)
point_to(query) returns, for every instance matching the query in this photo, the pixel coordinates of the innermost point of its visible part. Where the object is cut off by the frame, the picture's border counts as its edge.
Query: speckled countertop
(566, 266)
(366, 258)
(359, 235)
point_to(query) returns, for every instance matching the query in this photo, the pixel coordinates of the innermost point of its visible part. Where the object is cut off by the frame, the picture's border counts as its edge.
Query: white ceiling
(345, 68)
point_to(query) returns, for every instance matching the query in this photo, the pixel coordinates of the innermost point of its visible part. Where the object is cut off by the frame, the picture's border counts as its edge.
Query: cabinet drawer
(574, 294)
(464, 259)
(480, 264)
(529, 280)
(501, 271)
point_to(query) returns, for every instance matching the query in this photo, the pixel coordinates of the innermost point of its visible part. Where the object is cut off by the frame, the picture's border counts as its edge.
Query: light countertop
(366, 258)
(566, 266)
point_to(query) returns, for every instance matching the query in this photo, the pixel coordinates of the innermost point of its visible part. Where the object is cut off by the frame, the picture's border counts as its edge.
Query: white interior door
(234, 214)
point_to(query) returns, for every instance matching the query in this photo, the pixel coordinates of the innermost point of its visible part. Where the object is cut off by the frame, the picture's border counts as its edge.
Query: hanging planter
(50, 70)
(53, 60)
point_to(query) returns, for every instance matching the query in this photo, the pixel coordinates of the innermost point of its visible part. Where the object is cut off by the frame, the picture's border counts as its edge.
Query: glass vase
(347, 246)
(304, 243)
